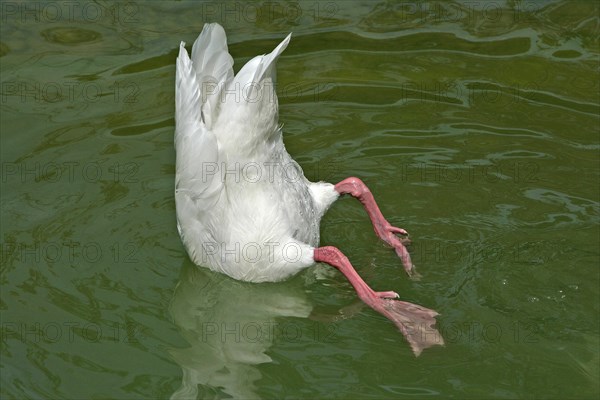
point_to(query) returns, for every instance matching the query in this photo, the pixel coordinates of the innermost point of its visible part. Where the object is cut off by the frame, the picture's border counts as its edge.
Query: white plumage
(244, 207)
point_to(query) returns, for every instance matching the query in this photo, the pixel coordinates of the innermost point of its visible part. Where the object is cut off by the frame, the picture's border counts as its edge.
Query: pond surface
(475, 124)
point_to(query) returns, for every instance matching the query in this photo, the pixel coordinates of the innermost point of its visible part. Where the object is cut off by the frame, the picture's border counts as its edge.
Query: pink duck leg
(356, 188)
(415, 322)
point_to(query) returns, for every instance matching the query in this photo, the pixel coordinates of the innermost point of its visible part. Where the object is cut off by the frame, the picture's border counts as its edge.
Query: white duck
(244, 207)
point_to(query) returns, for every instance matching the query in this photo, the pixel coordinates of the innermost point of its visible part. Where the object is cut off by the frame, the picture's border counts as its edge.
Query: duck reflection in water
(229, 326)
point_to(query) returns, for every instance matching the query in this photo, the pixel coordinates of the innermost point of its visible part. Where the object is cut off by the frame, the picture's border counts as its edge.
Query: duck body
(244, 207)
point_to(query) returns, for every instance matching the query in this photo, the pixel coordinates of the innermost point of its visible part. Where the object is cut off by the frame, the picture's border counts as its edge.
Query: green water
(475, 124)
